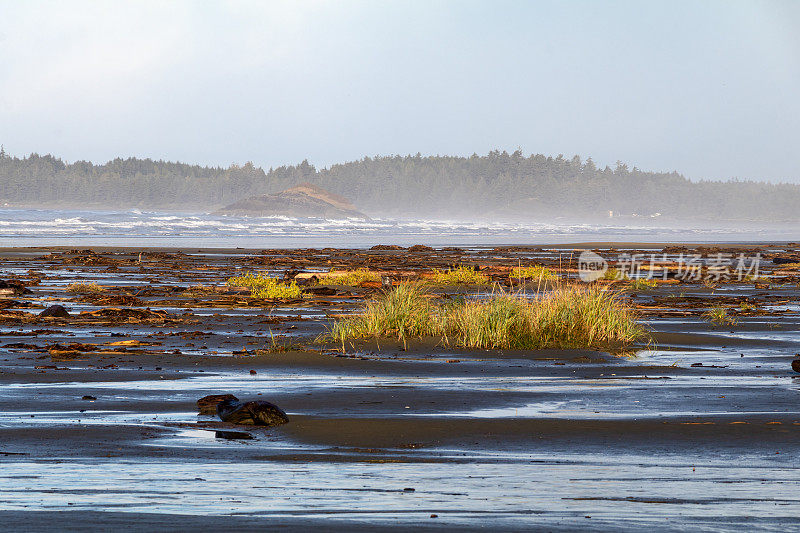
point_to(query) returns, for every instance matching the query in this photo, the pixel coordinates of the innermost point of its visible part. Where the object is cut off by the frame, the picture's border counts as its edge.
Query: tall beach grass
(352, 278)
(535, 272)
(460, 275)
(262, 286)
(565, 317)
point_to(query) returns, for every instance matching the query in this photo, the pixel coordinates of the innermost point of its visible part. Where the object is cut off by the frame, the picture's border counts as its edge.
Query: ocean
(49, 227)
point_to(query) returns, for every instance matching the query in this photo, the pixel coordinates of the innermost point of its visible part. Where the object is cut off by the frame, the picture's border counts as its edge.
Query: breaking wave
(40, 227)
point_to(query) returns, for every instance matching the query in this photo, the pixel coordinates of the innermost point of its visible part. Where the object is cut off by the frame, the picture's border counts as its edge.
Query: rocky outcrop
(207, 405)
(303, 201)
(55, 311)
(256, 413)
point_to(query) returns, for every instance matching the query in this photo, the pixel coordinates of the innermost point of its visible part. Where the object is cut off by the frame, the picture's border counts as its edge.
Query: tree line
(495, 185)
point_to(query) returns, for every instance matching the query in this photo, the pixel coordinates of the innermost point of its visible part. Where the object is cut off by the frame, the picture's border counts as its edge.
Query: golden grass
(748, 307)
(404, 311)
(536, 272)
(262, 286)
(85, 288)
(460, 275)
(352, 278)
(719, 315)
(275, 347)
(641, 284)
(614, 274)
(567, 317)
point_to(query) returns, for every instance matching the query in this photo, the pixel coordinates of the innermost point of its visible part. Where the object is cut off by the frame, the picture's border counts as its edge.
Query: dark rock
(256, 413)
(78, 346)
(305, 280)
(22, 345)
(387, 247)
(63, 352)
(701, 365)
(207, 405)
(796, 365)
(420, 248)
(129, 315)
(100, 299)
(233, 435)
(55, 311)
(88, 397)
(290, 274)
(322, 291)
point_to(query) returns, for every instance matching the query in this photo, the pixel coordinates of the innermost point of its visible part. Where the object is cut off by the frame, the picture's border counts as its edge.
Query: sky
(710, 89)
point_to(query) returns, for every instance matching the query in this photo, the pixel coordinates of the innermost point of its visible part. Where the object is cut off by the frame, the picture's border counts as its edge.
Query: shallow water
(577, 489)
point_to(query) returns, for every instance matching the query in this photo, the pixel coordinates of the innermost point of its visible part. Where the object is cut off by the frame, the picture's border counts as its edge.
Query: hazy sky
(711, 88)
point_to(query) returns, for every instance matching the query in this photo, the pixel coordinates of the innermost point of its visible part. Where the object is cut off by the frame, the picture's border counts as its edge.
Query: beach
(99, 427)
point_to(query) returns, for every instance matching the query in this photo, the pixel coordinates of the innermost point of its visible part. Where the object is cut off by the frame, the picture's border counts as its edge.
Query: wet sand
(552, 440)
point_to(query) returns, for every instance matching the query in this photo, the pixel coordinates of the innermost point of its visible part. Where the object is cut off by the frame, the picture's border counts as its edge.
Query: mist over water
(44, 227)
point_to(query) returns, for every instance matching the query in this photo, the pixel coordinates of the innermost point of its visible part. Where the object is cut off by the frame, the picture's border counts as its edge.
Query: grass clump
(352, 278)
(403, 312)
(642, 284)
(277, 346)
(85, 288)
(614, 274)
(265, 287)
(748, 307)
(536, 272)
(566, 317)
(719, 315)
(460, 275)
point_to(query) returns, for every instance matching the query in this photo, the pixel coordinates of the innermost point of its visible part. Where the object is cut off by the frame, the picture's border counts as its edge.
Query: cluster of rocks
(254, 413)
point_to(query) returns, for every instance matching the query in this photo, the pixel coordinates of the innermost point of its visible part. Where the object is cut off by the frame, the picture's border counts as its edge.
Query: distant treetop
(498, 185)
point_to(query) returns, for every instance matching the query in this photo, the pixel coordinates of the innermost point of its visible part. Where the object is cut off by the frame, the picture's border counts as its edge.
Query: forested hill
(498, 185)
